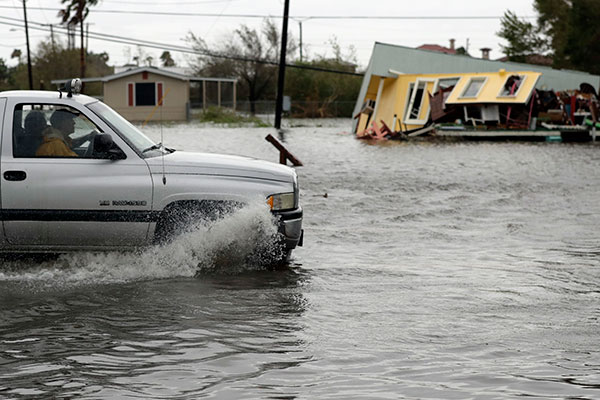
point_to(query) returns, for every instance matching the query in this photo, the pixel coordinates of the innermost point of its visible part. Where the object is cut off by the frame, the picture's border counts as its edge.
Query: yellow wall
(373, 87)
(394, 97)
(371, 95)
(362, 122)
(387, 103)
(492, 87)
(174, 104)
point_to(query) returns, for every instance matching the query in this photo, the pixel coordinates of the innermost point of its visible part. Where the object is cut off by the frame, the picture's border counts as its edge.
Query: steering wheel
(90, 150)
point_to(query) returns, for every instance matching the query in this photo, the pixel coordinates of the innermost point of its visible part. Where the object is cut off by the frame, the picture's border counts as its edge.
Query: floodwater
(429, 270)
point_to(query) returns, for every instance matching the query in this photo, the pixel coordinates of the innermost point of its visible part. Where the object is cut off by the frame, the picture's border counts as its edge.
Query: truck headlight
(281, 201)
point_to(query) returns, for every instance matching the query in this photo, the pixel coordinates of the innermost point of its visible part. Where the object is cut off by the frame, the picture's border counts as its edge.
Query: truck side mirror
(103, 144)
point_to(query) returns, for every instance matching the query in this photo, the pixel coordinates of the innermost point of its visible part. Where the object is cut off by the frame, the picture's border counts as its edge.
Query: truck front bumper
(290, 226)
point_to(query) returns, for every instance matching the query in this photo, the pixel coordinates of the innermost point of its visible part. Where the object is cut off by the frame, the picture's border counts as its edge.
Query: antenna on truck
(164, 177)
(159, 105)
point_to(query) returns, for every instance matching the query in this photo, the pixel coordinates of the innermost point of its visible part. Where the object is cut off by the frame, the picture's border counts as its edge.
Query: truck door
(51, 197)
(2, 118)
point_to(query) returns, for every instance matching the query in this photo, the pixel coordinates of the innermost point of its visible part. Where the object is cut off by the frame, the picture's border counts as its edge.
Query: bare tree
(248, 54)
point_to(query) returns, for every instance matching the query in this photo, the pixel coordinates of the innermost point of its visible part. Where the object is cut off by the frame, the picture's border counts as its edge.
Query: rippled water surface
(430, 270)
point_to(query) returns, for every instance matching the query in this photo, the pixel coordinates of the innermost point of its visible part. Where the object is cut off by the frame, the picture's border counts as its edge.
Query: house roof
(537, 59)
(137, 70)
(387, 56)
(158, 71)
(436, 47)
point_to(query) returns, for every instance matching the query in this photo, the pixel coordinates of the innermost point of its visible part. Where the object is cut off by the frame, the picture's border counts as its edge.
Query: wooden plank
(284, 153)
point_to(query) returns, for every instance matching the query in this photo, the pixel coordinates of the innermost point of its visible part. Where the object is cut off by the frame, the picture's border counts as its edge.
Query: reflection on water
(430, 270)
(140, 339)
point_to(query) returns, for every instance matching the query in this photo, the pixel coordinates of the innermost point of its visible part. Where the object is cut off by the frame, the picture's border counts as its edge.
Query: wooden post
(219, 93)
(284, 153)
(234, 94)
(204, 95)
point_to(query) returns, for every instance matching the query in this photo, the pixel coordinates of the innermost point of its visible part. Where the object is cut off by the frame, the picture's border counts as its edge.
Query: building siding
(116, 95)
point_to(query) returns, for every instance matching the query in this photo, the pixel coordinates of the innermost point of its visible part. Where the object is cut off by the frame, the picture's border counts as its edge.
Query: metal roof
(415, 61)
(153, 70)
(137, 70)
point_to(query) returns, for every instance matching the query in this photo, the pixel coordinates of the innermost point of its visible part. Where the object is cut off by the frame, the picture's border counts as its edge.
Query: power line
(327, 17)
(146, 4)
(176, 48)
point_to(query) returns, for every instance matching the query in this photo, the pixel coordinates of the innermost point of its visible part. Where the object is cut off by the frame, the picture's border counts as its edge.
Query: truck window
(51, 130)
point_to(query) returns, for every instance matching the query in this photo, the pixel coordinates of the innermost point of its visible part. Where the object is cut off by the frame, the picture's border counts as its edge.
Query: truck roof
(36, 95)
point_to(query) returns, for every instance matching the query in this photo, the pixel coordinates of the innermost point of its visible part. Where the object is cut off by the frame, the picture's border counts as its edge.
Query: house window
(417, 100)
(417, 111)
(145, 94)
(511, 86)
(445, 83)
(411, 88)
(473, 87)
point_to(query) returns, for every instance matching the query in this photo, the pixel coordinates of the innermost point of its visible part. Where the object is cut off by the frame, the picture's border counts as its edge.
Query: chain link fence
(299, 109)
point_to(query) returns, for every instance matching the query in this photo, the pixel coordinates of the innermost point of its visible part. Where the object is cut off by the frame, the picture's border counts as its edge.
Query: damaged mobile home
(506, 102)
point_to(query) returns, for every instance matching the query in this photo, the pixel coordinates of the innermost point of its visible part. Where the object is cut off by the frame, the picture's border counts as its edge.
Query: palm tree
(76, 12)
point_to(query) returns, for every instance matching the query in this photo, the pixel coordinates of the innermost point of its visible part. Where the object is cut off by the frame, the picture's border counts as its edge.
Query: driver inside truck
(56, 141)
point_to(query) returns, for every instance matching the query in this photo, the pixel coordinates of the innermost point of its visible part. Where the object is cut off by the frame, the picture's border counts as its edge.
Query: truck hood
(182, 162)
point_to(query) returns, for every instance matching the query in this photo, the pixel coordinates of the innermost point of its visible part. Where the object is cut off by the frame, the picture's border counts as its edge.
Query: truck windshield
(128, 132)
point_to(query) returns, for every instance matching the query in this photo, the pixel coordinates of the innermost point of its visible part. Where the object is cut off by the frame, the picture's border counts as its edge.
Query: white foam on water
(241, 241)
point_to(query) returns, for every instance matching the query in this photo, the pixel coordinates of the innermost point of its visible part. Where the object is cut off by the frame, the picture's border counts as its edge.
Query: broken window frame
(437, 85)
(482, 79)
(409, 92)
(456, 79)
(515, 94)
(408, 120)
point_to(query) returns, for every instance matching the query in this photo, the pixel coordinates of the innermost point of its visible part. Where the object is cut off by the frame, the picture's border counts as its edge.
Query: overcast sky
(478, 32)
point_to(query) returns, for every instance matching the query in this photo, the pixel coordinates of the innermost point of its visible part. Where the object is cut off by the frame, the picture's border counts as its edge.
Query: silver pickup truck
(78, 176)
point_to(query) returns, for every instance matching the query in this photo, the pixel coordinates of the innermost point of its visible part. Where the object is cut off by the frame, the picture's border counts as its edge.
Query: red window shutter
(130, 91)
(159, 93)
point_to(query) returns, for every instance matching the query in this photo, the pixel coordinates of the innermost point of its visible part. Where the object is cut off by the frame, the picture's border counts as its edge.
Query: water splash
(244, 240)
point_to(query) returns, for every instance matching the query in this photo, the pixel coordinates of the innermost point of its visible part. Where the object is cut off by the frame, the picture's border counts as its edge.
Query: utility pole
(82, 49)
(300, 25)
(281, 79)
(87, 36)
(27, 40)
(51, 34)
(69, 38)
